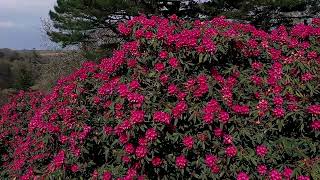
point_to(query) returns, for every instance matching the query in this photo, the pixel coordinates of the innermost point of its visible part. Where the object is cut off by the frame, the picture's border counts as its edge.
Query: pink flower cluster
(162, 117)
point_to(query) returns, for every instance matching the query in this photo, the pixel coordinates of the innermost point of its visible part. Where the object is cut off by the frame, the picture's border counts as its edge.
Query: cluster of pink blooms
(242, 176)
(156, 161)
(188, 142)
(261, 150)
(173, 62)
(231, 151)
(227, 85)
(57, 161)
(202, 86)
(262, 107)
(315, 125)
(179, 109)
(151, 134)
(241, 109)
(212, 162)
(141, 151)
(101, 101)
(314, 109)
(274, 174)
(181, 161)
(162, 117)
(137, 116)
(210, 110)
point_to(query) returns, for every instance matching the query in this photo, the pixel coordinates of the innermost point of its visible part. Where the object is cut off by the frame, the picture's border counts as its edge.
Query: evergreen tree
(76, 21)
(263, 13)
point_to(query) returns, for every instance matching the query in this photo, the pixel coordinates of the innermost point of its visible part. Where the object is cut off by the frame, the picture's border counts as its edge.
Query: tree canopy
(74, 21)
(263, 13)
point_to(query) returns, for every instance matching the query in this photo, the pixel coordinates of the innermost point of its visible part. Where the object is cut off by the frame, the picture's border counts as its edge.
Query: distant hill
(8, 54)
(34, 55)
(34, 69)
(11, 60)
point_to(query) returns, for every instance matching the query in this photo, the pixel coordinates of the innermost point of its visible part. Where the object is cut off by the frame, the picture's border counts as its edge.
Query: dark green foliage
(4, 74)
(23, 76)
(76, 20)
(264, 14)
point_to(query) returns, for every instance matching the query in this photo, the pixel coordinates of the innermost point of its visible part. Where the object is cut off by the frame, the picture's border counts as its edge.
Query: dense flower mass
(212, 99)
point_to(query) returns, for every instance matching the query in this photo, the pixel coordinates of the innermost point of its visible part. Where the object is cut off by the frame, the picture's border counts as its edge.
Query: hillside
(35, 69)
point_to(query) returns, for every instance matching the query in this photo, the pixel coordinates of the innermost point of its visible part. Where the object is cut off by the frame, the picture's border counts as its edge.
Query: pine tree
(263, 13)
(76, 21)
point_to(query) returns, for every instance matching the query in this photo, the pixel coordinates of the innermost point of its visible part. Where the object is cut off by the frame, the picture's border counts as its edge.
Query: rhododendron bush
(179, 100)
(15, 117)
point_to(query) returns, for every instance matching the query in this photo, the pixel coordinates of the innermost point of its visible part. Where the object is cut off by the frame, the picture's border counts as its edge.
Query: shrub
(184, 100)
(15, 117)
(23, 74)
(19, 73)
(5, 80)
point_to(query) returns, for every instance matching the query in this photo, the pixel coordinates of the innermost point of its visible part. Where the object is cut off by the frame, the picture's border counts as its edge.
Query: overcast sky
(20, 23)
